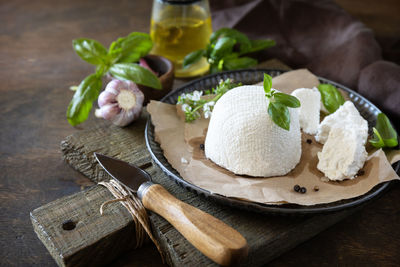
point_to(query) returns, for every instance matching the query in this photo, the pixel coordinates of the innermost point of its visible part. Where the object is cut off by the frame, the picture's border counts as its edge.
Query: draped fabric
(320, 36)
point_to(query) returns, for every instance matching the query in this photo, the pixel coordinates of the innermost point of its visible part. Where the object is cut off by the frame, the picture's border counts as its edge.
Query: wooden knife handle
(215, 239)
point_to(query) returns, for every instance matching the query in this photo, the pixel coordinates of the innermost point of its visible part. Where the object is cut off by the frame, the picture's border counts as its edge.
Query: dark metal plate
(250, 76)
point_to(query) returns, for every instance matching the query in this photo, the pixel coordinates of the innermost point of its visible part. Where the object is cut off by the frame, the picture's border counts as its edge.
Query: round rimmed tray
(250, 76)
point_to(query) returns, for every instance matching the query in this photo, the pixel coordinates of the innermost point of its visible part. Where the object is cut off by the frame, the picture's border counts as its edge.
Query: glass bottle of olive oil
(178, 28)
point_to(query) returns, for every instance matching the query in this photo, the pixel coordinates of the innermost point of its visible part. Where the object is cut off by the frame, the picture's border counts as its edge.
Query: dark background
(38, 65)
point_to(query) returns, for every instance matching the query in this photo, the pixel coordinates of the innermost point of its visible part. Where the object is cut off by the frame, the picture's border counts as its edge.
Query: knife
(215, 239)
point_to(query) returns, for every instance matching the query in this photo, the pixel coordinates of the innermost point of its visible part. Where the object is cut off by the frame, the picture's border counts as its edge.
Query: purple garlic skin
(121, 102)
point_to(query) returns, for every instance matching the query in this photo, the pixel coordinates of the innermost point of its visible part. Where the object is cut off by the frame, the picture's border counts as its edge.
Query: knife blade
(215, 239)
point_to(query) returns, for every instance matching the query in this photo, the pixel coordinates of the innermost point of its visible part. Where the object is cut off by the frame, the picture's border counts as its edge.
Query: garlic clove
(109, 111)
(105, 98)
(122, 119)
(115, 86)
(121, 102)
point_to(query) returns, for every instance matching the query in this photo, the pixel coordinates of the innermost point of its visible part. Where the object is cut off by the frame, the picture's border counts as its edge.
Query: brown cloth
(319, 36)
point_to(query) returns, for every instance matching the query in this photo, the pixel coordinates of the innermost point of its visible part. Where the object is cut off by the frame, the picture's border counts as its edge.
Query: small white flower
(181, 99)
(207, 114)
(186, 108)
(207, 106)
(207, 109)
(196, 95)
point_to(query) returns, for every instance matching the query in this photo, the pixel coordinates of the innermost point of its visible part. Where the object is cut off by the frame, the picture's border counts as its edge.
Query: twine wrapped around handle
(135, 208)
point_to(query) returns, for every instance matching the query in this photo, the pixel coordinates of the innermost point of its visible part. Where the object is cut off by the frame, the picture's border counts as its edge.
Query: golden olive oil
(175, 37)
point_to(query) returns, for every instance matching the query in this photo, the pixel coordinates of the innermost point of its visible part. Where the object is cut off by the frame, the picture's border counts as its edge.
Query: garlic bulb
(121, 102)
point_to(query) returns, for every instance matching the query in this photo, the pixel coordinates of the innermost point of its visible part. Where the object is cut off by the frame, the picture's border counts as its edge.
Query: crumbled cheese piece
(343, 154)
(242, 138)
(310, 100)
(184, 161)
(345, 115)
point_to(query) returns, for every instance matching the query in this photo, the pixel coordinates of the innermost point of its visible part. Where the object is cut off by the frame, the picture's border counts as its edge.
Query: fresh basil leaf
(288, 100)
(214, 67)
(82, 101)
(241, 39)
(257, 45)
(267, 83)
(384, 133)
(223, 46)
(135, 73)
(192, 58)
(101, 70)
(220, 64)
(279, 114)
(377, 141)
(208, 50)
(391, 142)
(130, 48)
(331, 97)
(232, 55)
(234, 63)
(90, 50)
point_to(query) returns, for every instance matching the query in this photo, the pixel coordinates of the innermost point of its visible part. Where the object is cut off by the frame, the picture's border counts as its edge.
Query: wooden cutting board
(76, 234)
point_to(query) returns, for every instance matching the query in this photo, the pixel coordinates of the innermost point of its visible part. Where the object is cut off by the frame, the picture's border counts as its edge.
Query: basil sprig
(226, 51)
(134, 72)
(331, 97)
(90, 50)
(384, 133)
(81, 103)
(118, 61)
(278, 104)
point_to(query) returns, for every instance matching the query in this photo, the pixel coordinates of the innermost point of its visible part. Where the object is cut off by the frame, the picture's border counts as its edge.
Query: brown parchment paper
(180, 140)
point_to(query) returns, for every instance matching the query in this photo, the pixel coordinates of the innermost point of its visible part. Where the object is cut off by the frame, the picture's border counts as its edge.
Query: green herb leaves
(279, 114)
(81, 104)
(384, 134)
(90, 50)
(193, 103)
(331, 97)
(226, 51)
(287, 100)
(267, 84)
(130, 48)
(134, 72)
(278, 104)
(118, 60)
(193, 57)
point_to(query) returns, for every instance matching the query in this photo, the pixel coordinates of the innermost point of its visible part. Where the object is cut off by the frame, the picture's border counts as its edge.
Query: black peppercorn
(309, 141)
(202, 146)
(296, 188)
(303, 190)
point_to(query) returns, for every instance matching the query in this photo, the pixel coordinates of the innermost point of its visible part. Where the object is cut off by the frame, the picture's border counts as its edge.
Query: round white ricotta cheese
(242, 137)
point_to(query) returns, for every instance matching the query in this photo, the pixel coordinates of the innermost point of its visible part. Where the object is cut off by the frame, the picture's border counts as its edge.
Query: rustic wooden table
(37, 68)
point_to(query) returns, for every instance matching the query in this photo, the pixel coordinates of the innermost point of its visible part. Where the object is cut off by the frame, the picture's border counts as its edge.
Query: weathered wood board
(98, 239)
(102, 238)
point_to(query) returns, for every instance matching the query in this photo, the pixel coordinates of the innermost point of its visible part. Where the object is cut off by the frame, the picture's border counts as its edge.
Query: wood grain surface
(267, 236)
(76, 234)
(38, 66)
